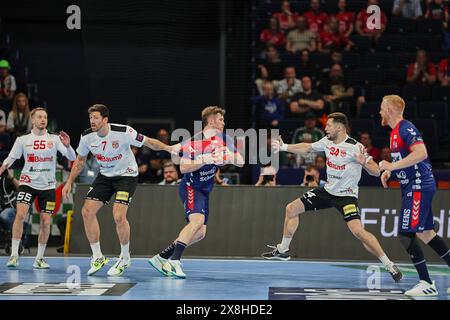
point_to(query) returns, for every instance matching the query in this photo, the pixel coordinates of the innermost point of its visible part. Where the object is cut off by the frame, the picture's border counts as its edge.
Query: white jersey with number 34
(343, 171)
(39, 153)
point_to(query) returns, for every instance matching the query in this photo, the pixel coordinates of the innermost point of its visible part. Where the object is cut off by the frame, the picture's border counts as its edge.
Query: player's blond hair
(396, 102)
(209, 111)
(33, 112)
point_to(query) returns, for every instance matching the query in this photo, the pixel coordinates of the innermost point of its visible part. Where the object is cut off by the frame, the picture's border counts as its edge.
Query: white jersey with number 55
(113, 151)
(40, 154)
(343, 171)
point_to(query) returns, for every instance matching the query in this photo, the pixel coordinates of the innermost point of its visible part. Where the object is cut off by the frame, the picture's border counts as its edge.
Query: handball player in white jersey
(345, 159)
(39, 149)
(111, 146)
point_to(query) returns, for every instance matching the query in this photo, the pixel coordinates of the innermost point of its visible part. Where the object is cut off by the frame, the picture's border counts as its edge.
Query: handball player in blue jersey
(412, 167)
(200, 158)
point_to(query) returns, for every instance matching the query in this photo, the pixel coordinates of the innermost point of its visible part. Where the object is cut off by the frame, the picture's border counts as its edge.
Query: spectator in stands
(309, 132)
(421, 72)
(438, 10)
(273, 35)
(163, 136)
(286, 17)
(308, 100)
(366, 141)
(306, 66)
(320, 162)
(333, 39)
(363, 28)
(407, 9)
(337, 57)
(311, 177)
(346, 19)
(170, 174)
(301, 38)
(289, 86)
(143, 164)
(7, 81)
(271, 69)
(2, 121)
(19, 120)
(385, 154)
(444, 72)
(335, 89)
(269, 109)
(316, 18)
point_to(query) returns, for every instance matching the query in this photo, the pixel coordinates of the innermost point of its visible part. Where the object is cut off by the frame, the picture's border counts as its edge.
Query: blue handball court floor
(214, 279)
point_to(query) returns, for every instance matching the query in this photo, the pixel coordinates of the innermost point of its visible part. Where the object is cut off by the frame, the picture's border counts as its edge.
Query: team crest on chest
(50, 144)
(115, 144)
(343, 153)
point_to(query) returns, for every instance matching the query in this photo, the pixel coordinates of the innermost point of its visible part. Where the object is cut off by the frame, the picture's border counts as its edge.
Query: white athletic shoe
(41, 264)
(119, 267)
(422, 289)
(97, 264)
(13, 262)
(157, 262)
(173, 268)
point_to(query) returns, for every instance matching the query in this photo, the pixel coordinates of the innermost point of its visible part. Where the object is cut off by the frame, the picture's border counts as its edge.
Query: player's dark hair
(339, 117)
(104, 111)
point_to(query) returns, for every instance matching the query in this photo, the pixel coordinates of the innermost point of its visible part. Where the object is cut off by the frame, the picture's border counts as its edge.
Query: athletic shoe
(173, 268)
(41, 264)
(119, 267)
(13, 262)
(97, 264)
(423, 289)
(157, 262)
(276, 255)
(395, 272)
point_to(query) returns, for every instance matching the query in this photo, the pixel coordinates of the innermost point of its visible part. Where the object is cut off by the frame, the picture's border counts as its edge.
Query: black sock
(414, 250)
(438, 245)
(167, 252)
(178, 251)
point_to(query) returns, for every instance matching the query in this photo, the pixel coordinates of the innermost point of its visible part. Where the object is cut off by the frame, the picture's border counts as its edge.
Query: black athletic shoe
(395, 272)
(276, 255)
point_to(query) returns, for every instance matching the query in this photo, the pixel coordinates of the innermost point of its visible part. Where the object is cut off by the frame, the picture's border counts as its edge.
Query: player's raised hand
(67, 189)
(175, 149)
(384, 178)
(65, 139)
(385, 165)
(277, 144)
(361, 156)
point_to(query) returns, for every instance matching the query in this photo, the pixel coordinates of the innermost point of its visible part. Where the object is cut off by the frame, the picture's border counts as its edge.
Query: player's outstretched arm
(418, 154)
(188, 165)
(157, 145)
(278, 145)
(77, 167)
(372, 168)
(364, 159)
(14, 154)
(65, 140)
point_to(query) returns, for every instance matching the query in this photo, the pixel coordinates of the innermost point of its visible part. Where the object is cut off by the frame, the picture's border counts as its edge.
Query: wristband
(284, 147)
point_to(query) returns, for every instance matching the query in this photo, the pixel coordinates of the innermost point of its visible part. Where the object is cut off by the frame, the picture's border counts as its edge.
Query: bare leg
(368, 240)
(91, 226)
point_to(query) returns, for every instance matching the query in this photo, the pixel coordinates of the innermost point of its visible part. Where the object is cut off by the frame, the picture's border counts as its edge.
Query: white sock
(41, 250)
(96, 251)
(125, 251)
(15, 247)
(385, 260)
(284, 246)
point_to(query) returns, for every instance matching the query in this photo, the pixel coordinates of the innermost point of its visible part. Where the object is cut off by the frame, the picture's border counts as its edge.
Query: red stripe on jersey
(415, 209)
(190, 196)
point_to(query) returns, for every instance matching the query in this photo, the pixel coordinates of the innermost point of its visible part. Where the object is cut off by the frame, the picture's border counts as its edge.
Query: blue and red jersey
(418, 177)
(203, 179)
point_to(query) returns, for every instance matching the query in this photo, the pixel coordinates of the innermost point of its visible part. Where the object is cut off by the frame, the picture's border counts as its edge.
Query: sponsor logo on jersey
(24, 178)
(122, 196)
(101, 158)
(50, 144)
(50, 206)
(115, 144)
(39, 170)
(335, 166)
(350, 208)
(406, 217)
(33, 158)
